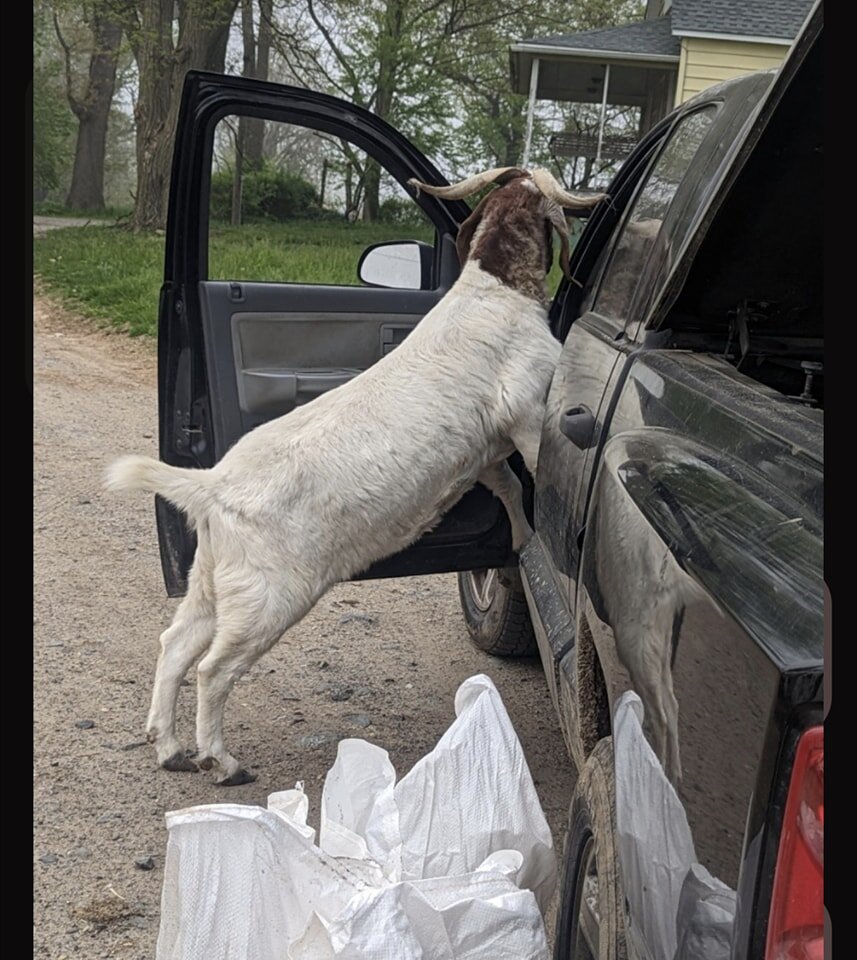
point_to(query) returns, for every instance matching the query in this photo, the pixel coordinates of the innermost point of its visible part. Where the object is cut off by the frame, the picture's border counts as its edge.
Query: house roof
(759, 19)
(647, 37)
(572, 65)
(659, 37)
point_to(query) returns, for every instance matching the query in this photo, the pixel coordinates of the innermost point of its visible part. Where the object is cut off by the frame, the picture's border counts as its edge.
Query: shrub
(267, 194)
(404, 212)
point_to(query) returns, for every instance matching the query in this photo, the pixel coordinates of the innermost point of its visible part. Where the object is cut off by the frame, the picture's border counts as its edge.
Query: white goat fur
(358, 474)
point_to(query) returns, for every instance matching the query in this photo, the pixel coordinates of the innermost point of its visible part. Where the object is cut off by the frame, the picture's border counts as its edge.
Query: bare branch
(76, 106)
(299, 69)
(340, 56)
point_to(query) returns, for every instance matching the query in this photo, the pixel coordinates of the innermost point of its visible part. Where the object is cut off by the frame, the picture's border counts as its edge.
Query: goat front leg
(500, 479)
(526, 437)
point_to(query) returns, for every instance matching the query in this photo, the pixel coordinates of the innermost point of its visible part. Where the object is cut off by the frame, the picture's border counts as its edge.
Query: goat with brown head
(510, 232)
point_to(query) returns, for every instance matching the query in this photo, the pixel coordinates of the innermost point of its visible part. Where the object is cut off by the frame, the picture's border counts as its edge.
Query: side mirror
(405, 264)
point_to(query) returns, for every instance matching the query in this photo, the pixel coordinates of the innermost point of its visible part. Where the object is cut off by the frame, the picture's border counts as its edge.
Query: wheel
(590, 922)
(495, 611)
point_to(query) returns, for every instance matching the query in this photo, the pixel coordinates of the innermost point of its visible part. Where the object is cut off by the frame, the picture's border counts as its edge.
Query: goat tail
(184, 488)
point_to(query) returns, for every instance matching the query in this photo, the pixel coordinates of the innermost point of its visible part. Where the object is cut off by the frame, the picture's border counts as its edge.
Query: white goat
(318, 495)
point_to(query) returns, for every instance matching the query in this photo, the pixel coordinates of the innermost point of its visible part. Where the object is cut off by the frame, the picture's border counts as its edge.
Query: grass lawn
(114, 275)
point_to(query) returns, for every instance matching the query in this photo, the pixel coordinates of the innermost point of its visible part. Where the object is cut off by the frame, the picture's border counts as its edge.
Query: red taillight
(796, 924)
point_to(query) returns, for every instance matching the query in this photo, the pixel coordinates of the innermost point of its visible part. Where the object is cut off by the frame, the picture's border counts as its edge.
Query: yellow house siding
(682, 69)
(705, 62)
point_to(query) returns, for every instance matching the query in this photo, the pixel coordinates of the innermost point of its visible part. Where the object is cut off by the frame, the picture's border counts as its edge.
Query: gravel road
(41, 225)
(379, 660)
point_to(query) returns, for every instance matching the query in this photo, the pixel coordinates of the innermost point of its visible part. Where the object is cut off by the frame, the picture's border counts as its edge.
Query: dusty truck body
(673, 588)
(690, 557)
(678, 546)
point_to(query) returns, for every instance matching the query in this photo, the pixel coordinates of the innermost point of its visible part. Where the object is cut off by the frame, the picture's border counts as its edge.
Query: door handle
(578, 425)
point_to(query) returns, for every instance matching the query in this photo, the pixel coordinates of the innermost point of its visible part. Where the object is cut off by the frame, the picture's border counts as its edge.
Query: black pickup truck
(673, 588)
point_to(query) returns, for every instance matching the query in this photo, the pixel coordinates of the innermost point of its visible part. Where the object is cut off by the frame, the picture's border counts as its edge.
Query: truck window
(640, 246)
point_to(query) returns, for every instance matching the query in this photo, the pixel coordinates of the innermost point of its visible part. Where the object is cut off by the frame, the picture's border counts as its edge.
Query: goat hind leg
(246, 629)
(186, 639)
(229, 658)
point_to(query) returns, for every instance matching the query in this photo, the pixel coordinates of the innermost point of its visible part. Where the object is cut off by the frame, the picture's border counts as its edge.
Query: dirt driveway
(379, 660)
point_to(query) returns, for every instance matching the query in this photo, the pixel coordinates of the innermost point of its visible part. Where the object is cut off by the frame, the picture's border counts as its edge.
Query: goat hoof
(237, 779)
(179, 762)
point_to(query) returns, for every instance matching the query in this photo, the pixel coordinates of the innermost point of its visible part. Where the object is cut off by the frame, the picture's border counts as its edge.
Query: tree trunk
(92, 112)
(323, 186)
(203, 34)
(513, 135)
(238, 179)
(348, 191)
(244, 123)
(372, 191)
(388, 63)
(153, 50)
(255, 141)
(583, 182)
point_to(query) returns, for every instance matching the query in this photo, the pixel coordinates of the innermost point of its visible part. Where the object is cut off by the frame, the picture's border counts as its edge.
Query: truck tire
(590, 919)
(495, 611)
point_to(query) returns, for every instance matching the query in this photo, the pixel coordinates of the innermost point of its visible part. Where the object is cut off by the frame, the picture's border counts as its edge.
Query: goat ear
(556, 218)
(564, 255)
(466, 231)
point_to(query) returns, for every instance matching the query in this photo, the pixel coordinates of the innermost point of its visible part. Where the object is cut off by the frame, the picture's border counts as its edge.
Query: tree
(92, 108)
(436, 69)
(249, 137)
(379, 56)
(162, 62)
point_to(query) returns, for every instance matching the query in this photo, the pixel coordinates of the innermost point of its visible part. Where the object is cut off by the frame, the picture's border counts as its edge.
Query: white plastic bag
(473, 795)
(241, 882)
(359, 817)
(473, 917)
(706, 916)
(451, 863)
(677, 909)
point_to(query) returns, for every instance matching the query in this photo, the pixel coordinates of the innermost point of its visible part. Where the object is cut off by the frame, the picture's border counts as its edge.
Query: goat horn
(551, 188)
(471, 185)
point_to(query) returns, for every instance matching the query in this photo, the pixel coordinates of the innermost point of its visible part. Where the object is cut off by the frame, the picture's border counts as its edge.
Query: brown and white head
(510, 232)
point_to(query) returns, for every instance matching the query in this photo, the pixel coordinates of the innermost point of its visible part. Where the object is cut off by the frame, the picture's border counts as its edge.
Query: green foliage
(53, 121)
(267, 194)
(402, 211)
